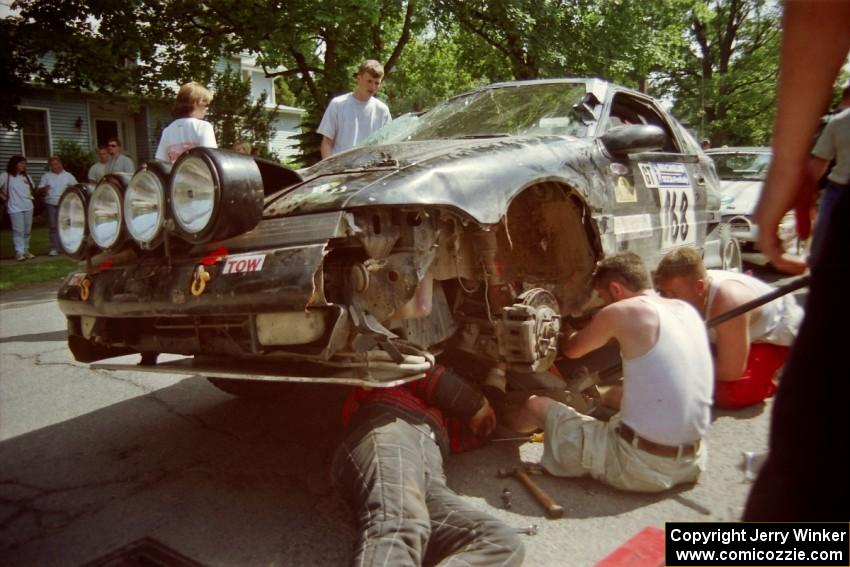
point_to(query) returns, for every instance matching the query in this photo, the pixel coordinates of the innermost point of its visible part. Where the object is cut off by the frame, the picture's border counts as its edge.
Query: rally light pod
(106, 212)
(214, 194)
(145, 204)
(72, 221)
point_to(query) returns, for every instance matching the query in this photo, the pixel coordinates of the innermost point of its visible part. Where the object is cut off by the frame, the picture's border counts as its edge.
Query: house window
(35, 134)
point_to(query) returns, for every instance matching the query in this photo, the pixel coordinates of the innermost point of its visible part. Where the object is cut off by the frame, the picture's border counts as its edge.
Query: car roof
(739, 150)
(592, 85)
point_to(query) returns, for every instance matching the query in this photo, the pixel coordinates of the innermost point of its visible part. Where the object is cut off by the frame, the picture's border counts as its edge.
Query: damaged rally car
(473, 227)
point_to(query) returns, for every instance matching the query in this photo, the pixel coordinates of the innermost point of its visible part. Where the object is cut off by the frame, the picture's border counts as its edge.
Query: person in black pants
(389, 468)
(804, 477)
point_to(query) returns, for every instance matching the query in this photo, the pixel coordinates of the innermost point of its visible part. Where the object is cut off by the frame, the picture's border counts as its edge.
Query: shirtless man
(655, 442)
(750, 348)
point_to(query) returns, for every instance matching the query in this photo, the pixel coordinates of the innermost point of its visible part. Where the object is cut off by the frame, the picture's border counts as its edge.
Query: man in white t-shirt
(655, 442)
(118, 162)
(54, 183)
(98, 170)
(350, 118)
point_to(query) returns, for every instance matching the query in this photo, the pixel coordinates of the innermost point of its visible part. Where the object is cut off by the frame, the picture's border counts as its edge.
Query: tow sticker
(245, 263)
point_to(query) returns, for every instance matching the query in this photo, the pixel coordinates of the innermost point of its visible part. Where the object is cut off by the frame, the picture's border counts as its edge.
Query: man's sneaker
(29, 255)
(53, 253)
(20, 257)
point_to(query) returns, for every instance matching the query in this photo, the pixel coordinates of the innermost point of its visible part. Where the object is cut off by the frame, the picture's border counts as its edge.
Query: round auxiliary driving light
(214, 194)
(71, 221)
(105, 216)
(194, 195)
(144, 208)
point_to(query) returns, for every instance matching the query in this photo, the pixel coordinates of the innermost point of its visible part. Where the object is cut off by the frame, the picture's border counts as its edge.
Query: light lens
(193, 195)
(144, 205)
(72, 222)
(105, 215)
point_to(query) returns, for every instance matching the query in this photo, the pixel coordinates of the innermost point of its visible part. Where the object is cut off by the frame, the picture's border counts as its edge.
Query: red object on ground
(646, 549)
(756, 383)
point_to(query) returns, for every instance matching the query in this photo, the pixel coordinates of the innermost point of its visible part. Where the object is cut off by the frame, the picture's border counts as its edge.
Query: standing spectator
(804, 477)
(118, 162)
(706, 144)
(350, 118)
(54, 182)
(98, 170)
(189, 130)
(833, 144)
(16, 189)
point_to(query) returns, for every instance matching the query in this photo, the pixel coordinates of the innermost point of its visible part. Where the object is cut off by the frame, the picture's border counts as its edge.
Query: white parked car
(742, 171)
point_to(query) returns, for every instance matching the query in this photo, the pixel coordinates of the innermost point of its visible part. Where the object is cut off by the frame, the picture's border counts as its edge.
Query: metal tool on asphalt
(506, 499)
(528, 530)
(553, 509)
(533, 438)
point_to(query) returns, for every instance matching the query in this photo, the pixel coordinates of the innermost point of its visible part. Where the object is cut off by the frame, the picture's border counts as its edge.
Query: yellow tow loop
(199, 281)
(85, 287)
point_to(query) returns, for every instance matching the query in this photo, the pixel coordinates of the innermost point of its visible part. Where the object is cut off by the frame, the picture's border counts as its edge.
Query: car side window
(629, 110)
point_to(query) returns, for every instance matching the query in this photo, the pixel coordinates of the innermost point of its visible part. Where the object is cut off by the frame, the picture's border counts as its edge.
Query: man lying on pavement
(751, 348)
(389, 468)
(655, 441)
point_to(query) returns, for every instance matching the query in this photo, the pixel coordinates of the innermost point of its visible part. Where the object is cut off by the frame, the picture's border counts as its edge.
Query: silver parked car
(742, 171)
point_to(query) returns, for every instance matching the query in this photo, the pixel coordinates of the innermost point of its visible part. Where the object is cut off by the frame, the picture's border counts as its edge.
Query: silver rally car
(473, 227)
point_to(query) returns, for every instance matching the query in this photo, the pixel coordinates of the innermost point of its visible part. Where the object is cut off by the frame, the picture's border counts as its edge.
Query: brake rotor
(529, 331)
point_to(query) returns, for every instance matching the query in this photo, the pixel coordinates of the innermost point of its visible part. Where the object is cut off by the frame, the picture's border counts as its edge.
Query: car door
(665, 206)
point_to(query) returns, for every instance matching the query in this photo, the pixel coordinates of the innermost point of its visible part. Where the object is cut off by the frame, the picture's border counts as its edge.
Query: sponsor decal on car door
(676, 200)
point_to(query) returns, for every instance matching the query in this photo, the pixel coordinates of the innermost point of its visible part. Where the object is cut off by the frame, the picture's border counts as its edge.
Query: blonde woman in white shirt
(189, 130)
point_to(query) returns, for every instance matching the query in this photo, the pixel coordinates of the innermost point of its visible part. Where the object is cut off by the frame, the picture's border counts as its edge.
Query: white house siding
(157, 117)
(286, 124)
(63, 111)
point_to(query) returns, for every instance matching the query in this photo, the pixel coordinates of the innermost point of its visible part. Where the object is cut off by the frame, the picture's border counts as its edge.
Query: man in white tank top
(751, 348)
(655, 442)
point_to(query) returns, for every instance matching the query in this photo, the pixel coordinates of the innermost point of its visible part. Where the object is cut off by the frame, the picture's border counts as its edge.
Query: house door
(114, 120)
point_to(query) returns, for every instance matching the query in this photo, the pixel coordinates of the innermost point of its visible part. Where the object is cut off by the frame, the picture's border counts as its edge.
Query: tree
(726, 82)
(234, 116)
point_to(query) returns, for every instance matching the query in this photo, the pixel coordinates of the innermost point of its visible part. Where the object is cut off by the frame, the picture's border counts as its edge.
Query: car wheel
(731, 256)
(253, 389)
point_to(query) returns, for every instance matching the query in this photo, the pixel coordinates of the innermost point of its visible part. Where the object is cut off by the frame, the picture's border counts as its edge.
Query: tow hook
(85, 289)
(199, 281)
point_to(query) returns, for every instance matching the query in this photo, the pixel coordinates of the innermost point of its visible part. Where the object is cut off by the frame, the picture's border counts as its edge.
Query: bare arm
(812, 31)
(595, 335)
(327, 147)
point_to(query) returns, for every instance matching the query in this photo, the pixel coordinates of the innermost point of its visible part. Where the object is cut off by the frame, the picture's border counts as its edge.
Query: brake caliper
(528, 331)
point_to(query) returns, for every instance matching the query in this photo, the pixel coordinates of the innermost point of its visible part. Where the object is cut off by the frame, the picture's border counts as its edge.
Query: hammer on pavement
(553, 510)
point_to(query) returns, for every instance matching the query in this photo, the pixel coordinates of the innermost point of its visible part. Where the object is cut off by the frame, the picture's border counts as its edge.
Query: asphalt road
(91, 461)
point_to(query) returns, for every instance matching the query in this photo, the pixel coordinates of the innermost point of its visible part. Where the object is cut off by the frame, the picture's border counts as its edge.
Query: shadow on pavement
(221, 480)
(53, 336)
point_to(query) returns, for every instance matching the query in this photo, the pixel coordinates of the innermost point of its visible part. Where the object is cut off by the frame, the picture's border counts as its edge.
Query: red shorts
(757, 382)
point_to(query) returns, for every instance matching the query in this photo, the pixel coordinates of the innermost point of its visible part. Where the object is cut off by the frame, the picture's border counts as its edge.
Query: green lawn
(17, 275)
(39, 243)
(31, 272)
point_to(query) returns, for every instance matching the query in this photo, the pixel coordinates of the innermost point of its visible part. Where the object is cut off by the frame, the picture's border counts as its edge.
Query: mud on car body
(475, 226)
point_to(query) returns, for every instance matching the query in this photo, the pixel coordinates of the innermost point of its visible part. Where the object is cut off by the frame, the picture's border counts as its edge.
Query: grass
(39, 243)
(17, 275)
(25, 273)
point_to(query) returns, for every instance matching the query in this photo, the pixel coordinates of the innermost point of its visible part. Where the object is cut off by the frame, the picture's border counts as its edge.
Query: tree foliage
(715, 59)
(725, 85)
(234, 115)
